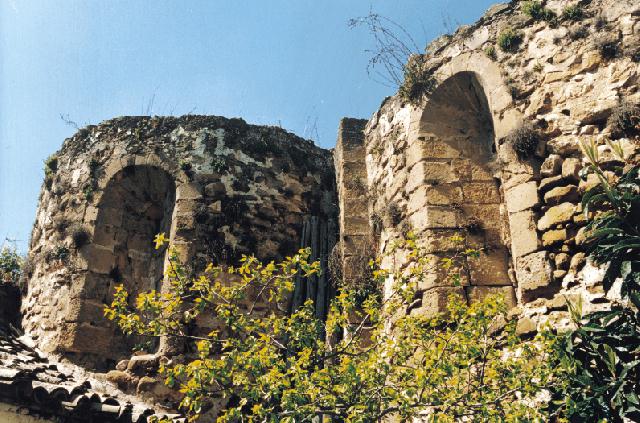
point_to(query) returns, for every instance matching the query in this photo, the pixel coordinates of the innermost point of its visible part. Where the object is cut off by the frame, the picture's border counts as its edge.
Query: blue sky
(290, 63)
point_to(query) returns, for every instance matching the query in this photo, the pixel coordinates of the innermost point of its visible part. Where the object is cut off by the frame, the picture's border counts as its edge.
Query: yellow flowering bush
(364, 363)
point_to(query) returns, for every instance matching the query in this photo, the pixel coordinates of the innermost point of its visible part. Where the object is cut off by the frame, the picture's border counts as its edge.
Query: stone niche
(454, 186)
(218, 188)
(445, 163)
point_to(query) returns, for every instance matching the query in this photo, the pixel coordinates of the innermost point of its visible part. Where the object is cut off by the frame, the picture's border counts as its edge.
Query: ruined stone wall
(217, 187)
(444, 165)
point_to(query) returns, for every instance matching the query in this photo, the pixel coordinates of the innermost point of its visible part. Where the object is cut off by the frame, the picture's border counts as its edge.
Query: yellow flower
(160, 239)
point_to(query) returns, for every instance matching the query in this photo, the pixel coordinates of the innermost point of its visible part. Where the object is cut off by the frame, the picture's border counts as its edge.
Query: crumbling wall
(217, 187)
(446, 163)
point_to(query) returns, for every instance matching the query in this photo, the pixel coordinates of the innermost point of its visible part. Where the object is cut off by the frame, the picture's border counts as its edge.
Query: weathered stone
(562, 261)
(523, 233)
(121, 379)
(534, 274)
(564, 146)
(141, 364)
(581, 236)
(481, 193)
(551, 166)
(477, 293)
(554, 237)
(434, 217)
(577, 261)
(490, 269)
(435, 300)
(563, 194)
(522, 197)
(526, 326)
(559, 214)
(571, 169)
(592, 181)
(559, 274)
(548, 183)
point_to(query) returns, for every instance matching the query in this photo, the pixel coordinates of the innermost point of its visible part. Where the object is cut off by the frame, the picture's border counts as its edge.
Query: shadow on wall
(458, 175)
(137, 204)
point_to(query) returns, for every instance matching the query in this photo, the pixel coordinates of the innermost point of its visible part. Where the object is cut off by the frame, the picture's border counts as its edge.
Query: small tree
(10, 265)
(377, 361)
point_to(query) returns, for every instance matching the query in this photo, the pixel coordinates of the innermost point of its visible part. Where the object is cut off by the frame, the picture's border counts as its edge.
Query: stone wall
(445, 164)
(217, 187)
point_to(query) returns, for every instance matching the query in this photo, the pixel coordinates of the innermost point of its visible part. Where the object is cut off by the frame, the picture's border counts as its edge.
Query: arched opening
(458, 175)
(137, 203)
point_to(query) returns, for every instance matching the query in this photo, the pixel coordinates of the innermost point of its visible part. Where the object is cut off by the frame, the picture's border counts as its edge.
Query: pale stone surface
(570, 169)
(551, 166)
(523, 233)
(553, 237)
(563, 194)
(559, 214)
(522, 197)
(535, 274)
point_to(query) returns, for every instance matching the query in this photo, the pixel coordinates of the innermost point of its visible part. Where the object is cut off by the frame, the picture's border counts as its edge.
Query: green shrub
(491, 52)
(600, 358)
(624, 120)
(51, 164)
(602, 367)
(509, 40)
(58, 253)
(523, 140)
(613, 236)
(573, 13)
(535, 10)
(10, 265)
(418, 81)
(88, 192)
(50, 168)
(280, 368)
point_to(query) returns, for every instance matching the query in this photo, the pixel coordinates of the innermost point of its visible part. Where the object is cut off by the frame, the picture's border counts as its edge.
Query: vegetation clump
(607, 46)
(50, 169)
(418, 81)
(509, 40)
(600, 356)
(10, 265)
(624, 120)
(523, 140)
(490, 51)
(467, 363)
(535, 10)
(59, 253)
(79, 235)
(572, 13)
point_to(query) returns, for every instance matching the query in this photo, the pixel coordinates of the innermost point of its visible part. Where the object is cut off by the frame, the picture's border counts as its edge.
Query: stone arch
(455, 183)
(135, 204)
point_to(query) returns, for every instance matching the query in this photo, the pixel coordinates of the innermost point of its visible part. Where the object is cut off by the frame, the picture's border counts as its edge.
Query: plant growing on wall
(10, 265)
(602, 355)
(393, 47)
(377, 362)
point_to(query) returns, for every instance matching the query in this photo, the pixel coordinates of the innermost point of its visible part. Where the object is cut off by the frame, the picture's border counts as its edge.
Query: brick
(522, 197)
(524, 238)
(430, 172)
(491, 268)
(481, 193)
(478, 293)
(534, 274)
(433, 217)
